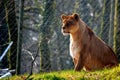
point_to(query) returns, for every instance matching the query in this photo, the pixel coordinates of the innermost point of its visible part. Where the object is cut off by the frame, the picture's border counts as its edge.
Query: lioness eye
(67, 24)
(71, 22)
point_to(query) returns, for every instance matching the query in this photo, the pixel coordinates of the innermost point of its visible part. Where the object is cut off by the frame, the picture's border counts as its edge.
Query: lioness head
(70, 23)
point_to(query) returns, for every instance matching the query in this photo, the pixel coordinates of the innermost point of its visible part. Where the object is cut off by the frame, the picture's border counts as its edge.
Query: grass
(105, 74)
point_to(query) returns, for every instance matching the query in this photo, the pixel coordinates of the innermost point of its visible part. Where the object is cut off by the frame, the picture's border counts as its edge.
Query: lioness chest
(74, 49)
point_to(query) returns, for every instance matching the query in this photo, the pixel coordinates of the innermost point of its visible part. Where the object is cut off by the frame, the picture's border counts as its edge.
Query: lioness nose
(63, 27)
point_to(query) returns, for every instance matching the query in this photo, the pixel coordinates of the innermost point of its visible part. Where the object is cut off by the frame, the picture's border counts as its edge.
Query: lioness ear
(63, 16)
(76, 16)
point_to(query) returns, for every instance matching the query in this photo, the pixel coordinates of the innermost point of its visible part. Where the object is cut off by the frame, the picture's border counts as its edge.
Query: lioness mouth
(65, 32)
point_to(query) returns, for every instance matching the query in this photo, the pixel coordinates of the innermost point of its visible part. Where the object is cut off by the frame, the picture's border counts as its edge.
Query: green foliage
(105, 74)
(53, 77)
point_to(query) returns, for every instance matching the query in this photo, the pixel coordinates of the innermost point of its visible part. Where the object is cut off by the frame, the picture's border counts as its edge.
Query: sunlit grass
(105, 74)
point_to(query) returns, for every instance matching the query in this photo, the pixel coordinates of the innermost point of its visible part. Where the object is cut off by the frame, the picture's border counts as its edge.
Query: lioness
(86, 49)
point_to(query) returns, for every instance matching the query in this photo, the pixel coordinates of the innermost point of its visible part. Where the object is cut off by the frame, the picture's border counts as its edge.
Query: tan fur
(86, 49)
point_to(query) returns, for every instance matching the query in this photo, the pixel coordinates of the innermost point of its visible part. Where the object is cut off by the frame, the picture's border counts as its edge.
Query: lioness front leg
(75, 61)
(78, 65)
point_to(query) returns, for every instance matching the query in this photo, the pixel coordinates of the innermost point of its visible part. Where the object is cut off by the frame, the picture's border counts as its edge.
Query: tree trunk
(110, 42)
(3, 35)
(19, 40)
(45, 31)
(105, 21)
(13, 31)
(117, 28)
